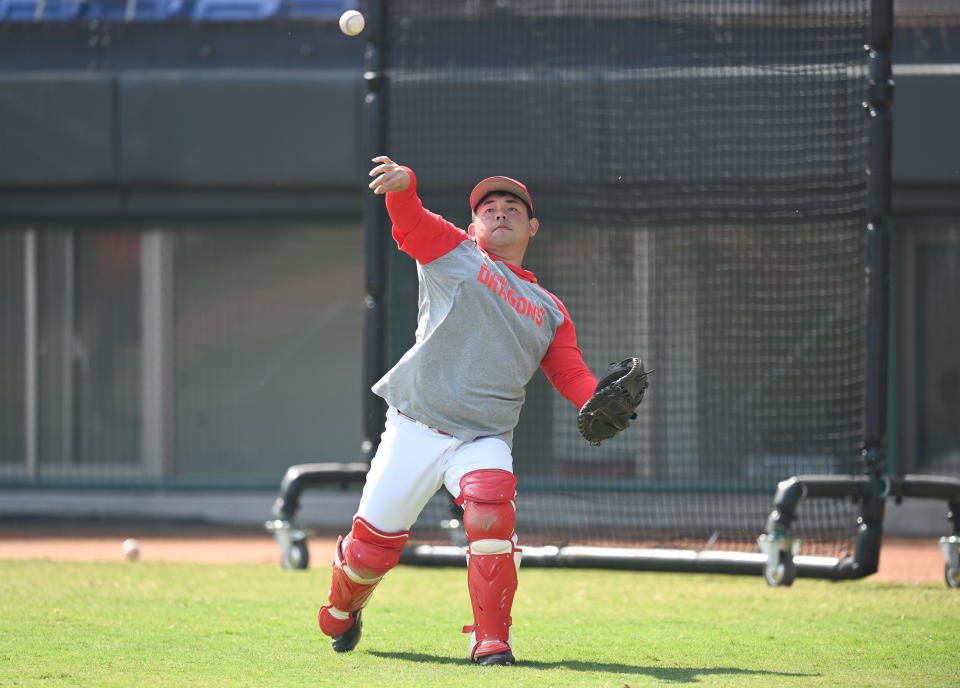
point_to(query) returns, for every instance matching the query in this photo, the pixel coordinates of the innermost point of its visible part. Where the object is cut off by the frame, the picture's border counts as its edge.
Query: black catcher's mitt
(614, 403)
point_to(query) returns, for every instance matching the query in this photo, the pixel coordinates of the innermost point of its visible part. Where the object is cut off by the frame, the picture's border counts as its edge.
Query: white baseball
(352, 22)
(131, 549)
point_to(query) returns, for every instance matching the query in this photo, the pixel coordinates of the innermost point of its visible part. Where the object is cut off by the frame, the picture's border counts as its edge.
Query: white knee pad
(480, 547)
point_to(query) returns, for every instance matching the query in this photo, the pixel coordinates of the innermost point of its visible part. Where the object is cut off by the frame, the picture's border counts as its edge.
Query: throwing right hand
(388, 176)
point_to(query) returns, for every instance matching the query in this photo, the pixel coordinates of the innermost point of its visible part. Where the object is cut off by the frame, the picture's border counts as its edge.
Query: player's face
(502, 226)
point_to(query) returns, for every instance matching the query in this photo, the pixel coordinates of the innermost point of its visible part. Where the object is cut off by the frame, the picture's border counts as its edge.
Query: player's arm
(563, 364)
(425, 236)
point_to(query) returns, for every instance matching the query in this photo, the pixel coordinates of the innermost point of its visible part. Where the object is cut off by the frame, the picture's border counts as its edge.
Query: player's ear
(534, 226)
(471, 232)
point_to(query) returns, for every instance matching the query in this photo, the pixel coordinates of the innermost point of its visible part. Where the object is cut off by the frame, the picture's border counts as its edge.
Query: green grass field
(164, 624)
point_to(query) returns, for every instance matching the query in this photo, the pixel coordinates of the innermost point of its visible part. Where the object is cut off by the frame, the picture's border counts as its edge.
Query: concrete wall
(141, 119)
(173, 120)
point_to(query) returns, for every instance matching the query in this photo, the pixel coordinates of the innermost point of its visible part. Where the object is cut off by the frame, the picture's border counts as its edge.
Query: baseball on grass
(131, 549)
(352, 22)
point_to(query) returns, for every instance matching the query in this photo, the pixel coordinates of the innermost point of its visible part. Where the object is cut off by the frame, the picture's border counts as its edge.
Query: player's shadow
(663, 673)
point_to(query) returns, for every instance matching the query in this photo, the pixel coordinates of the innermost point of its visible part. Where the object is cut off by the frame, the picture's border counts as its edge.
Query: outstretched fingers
(388, 176)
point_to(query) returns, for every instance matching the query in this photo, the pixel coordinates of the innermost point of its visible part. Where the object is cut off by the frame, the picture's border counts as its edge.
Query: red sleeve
(563, 363)
(425, 236)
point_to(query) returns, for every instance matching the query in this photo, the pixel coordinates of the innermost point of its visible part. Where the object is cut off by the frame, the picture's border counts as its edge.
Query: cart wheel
(299, 555)
(952, 576)
(783, 573)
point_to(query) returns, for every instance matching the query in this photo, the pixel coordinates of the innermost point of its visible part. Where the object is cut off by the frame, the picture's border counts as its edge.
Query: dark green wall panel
(926, 124)
(56, 128)
(226, 127)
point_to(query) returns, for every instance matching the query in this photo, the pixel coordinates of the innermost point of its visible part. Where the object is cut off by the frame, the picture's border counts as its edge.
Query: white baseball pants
(412, 462)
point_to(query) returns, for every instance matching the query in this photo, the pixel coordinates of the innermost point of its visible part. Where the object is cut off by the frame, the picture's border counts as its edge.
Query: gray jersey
(483, 330)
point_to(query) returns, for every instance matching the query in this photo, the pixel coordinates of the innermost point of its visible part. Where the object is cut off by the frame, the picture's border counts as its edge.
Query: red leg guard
(489, 515)
(492, 581)
(360, 561)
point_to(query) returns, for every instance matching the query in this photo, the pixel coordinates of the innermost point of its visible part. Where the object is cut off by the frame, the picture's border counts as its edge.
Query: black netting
(698, 169)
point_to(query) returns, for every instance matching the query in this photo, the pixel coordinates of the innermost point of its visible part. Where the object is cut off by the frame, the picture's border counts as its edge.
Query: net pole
(877, 107)
(375, 220)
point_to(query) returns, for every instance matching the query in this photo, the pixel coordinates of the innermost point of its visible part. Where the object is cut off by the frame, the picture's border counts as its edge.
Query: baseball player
(484, 328)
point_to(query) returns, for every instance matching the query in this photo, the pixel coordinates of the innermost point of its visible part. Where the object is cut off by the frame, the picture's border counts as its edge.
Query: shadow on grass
(664, 673)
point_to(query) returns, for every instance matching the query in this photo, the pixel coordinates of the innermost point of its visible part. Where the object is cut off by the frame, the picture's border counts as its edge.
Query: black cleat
(496, 659)
(348, 640)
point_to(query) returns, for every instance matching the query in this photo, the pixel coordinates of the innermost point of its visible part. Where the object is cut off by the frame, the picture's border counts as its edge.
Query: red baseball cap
(499, 184)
